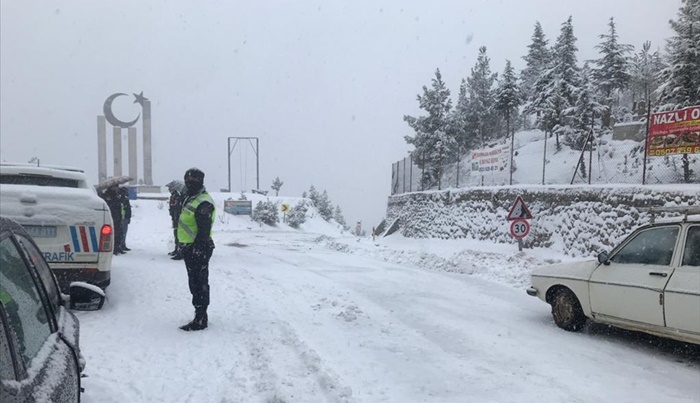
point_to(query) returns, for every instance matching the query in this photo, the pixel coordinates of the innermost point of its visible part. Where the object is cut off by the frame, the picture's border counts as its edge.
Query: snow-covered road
(296, 317)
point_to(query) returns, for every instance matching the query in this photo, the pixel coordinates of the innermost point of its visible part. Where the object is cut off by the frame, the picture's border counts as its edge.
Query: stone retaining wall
(576, 220)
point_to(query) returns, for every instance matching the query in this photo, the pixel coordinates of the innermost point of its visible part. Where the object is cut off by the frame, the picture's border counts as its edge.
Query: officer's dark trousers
(197, 263)
(125, 229)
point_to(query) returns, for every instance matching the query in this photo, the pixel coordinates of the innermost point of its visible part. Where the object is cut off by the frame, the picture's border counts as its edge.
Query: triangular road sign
(519, 211)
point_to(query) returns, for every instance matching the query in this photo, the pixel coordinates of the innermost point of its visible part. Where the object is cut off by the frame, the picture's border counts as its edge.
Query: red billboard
(674, 132)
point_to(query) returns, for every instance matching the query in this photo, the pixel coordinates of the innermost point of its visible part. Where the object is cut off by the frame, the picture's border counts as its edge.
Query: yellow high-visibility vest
(187, 226)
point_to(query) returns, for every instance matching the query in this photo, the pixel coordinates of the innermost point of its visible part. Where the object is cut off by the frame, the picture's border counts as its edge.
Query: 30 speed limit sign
(520, 228)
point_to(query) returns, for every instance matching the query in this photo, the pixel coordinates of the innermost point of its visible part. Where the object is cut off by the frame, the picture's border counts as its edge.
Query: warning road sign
(284, 207)
(519, 211)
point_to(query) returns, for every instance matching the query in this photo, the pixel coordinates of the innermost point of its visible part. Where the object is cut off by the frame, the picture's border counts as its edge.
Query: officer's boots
(200, 320)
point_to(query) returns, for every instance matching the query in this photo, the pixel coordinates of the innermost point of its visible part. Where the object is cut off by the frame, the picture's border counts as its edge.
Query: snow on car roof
(57, 172)
(59, 167)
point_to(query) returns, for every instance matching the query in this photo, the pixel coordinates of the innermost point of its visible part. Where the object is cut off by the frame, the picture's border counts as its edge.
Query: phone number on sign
(675, 150)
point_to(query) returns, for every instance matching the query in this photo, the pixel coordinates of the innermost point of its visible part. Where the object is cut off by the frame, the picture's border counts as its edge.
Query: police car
(64, 215)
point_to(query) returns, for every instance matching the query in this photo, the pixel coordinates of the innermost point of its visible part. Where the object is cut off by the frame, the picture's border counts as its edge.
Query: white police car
(64, 215)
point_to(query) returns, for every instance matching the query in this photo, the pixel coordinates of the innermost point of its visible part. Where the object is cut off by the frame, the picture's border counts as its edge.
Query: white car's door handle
(656, 273)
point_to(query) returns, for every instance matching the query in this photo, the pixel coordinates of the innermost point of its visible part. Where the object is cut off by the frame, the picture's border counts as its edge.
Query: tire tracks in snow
(280, 366)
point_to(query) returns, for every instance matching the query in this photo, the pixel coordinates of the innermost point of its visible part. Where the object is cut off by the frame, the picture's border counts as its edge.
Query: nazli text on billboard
(674, 132)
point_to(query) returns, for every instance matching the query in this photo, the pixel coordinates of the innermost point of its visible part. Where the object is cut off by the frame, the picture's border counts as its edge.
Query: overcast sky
(323, 84)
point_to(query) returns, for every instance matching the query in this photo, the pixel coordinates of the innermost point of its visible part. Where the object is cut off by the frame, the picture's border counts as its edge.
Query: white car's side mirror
(85, 297)
(604, 258)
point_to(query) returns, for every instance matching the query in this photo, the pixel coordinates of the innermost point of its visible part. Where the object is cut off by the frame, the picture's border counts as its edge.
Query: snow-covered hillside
(612, 162)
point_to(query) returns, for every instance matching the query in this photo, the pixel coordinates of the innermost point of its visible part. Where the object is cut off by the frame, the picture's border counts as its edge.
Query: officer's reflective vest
(187, 226)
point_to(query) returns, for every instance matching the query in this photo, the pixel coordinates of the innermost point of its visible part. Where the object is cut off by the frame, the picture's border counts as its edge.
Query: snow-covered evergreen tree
(585, 111)
(466, 139)
(277, 185)
(434, 142)
(555, 91)
(645, 70)
(313, 195)
(338, 217)
(681, 79)
(508, 95)
(266, 213)
(612, 72)
(566, 63)
(539, 103)
(536, 62)
(297, 215)
(324, 206)
(482, 117)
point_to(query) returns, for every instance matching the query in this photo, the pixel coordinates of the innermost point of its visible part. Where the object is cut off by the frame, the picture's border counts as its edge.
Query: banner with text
(675, 132)
(494, 159)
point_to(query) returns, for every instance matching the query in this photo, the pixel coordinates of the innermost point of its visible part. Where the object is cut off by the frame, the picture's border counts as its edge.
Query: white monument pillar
(101, 148)
(133, 167)
(117, 152)
(147, 156)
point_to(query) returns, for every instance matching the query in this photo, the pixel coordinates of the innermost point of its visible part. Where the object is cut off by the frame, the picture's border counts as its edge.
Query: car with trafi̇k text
(61, 210)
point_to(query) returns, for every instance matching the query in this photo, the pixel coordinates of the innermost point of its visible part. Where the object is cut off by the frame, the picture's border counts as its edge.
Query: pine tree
(338, 217)
(680, 80)
(459, 121)
(539, 103)
(433, 142)
(265, 213)
(557, 88)
(277, 185)
(313, 195)
(507, 94)
(645, 70)
(297, 215)
(537, 60)
(612, 72)
(584, 111)
(482, 117)
(507, 101)
(324, 206)
(566, 64)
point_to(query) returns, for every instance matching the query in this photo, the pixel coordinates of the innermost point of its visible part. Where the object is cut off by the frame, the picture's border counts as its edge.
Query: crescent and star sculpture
(107, 109)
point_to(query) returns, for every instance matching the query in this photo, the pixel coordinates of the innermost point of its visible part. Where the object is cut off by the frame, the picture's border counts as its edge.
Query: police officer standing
(114, 202)
(177, 194)
(194, 234)
(126, 216)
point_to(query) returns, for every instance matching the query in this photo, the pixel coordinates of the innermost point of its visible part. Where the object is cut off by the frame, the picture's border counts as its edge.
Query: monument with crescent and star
(117, 125)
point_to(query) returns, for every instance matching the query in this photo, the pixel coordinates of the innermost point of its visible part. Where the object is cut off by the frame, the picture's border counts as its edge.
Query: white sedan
(649, 283)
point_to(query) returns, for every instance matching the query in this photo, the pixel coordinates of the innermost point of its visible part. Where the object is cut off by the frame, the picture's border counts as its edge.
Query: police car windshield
(38, 180)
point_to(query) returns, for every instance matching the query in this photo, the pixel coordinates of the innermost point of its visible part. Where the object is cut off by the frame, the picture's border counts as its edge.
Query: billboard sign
(494, 159)
(674, 132)
(238, 207)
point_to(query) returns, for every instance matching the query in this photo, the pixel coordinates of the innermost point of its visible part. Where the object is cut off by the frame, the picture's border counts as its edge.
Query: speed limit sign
(520, 228)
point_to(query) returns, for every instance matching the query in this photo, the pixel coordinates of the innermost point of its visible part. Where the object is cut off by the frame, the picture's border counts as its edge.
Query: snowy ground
(316, 316)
